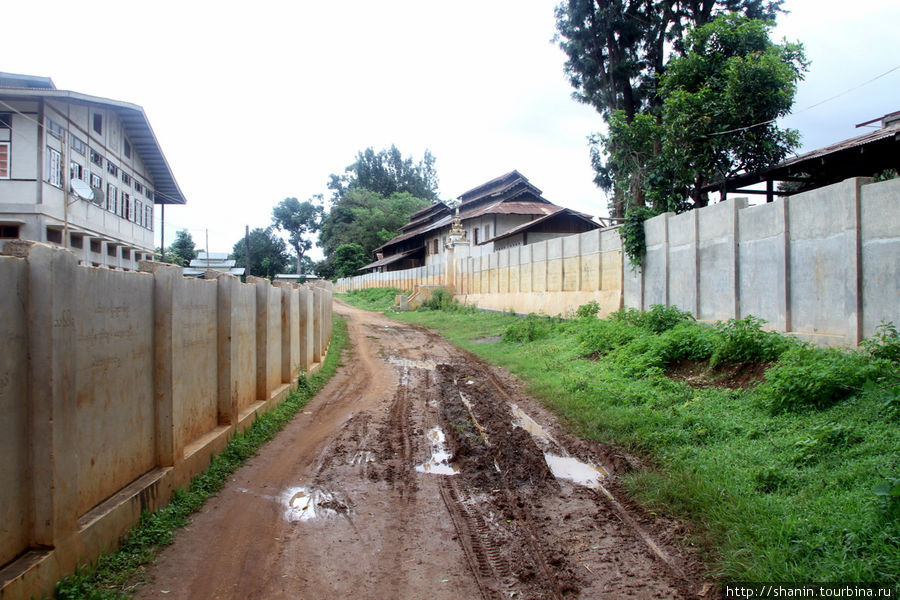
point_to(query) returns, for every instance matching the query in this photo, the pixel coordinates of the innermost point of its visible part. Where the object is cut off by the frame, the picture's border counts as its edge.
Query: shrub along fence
(117, 387)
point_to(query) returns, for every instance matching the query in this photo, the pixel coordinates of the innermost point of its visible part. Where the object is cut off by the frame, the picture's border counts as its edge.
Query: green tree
(348, 258)
(387, 172)
(367, 218)
(616, 51)
(721, 100)
(298, 219)
(268, 253)
(183, 250)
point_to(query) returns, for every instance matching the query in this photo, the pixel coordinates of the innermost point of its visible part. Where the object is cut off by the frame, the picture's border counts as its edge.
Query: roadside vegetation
(783, 457)
(116, 576)
(377, 299)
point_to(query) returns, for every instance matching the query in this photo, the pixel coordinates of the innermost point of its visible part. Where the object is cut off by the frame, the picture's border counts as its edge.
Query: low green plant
(634, 241)
(811, 377)
(528, 329)
(377, 299)
(887, 494)
(744, 340)
(884, 344)
(586, 311)
(441, 299)
(656, 320)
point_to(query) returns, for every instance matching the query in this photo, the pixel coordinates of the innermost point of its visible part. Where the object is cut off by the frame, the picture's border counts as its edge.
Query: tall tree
(183, 250)
(362, 216)
(616, 51)
(721, 100)
(348, 258)
(298, 219)
(268, 253)
(387, 172)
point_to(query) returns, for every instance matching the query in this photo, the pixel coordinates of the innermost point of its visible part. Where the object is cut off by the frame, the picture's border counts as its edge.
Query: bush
(440, 299)
(885, 344)
(588, 310)
(528, 329)
(809, 377)
(743, 340)
(600, 337)
(658, 319)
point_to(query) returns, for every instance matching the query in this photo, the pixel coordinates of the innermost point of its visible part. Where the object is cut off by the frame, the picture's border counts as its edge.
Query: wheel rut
(420, 472)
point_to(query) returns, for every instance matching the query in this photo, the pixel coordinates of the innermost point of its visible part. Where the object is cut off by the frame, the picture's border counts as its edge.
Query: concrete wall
(117, 387)
(822, 265)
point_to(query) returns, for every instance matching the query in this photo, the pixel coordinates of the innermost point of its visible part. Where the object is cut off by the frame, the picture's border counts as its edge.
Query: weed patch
(375, 299)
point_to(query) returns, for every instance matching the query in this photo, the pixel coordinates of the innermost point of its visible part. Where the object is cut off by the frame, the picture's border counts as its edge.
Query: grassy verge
(114, 575)
(796, 478)
(377, 299)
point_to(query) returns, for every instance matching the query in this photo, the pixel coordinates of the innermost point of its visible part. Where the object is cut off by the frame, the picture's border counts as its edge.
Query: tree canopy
(348, 258)
(618, 53)
(183, 250)
(387, 172)
(366, 218)
(298, 219)
(268, 253)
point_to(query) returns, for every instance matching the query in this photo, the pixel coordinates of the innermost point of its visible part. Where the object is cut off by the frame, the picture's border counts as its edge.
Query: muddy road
(420, 472)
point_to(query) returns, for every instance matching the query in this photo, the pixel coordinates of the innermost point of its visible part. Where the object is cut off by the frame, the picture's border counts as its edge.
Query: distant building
(79, 171)
(504, 212)
(213, 261)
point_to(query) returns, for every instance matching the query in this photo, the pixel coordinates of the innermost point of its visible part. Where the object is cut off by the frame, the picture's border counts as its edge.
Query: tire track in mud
(340, 505)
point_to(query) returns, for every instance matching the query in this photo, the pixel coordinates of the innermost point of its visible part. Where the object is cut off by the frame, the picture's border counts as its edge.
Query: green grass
(114, 575)
(377, 299)
(795, 480)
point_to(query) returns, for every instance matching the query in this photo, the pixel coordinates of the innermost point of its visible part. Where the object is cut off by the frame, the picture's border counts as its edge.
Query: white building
(79, 171)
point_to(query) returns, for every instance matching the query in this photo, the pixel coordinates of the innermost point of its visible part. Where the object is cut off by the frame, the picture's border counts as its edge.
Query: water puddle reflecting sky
(439, 463)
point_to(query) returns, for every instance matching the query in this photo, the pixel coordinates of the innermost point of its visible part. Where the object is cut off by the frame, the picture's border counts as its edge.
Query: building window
(96, 181)
(487, 232)
(112, 198)
(55, 129)
(98, 123)
(138, 187)
(95, 246)
(112, 169)
(53, 167)
(78, 146)
(4, 160)
(76, 241)
(139, 212)
(96, 158)
(128, 207)
(126, 178)
(149, 193)
(9, 232)
(111, 250)
(126, 254)
(54, 236)
(75, 171)
(148, 217)
(126, 147)
(474, 235)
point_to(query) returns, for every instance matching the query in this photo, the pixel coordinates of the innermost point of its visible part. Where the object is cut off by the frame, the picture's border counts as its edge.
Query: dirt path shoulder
(421, 472)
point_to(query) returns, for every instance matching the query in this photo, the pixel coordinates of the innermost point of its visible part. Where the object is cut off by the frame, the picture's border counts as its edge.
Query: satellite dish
(82, 190)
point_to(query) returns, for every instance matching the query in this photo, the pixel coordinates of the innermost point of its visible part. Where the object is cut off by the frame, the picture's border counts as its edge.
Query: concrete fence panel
(16, 487)
(880, 246)
(116, 388)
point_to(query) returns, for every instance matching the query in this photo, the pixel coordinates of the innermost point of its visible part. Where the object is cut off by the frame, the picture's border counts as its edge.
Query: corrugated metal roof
(390, 259)
(531, 224)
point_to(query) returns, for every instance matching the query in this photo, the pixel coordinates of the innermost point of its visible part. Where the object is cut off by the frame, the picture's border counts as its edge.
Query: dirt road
(419, 472)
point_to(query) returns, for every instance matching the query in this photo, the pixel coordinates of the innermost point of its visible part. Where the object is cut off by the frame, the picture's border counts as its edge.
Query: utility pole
(246, 250)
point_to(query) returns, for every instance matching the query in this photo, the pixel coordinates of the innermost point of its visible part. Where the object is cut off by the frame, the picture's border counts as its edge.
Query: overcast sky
(256, 102)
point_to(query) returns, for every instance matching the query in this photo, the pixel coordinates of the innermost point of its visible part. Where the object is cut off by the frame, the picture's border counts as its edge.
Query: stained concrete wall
(822, 265)
(117, 387)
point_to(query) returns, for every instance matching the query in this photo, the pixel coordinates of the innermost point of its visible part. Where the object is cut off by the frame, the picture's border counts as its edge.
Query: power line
(845, 92)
